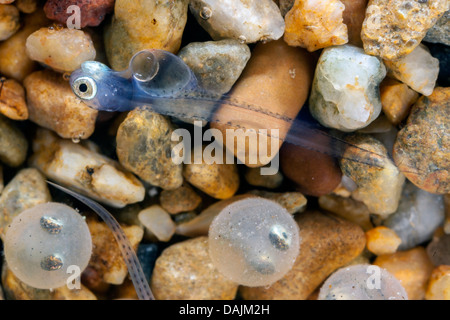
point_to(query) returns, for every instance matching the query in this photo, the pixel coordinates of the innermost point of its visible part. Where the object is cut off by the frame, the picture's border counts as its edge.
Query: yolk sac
(362, 282)
(254, 242)
(44, 241)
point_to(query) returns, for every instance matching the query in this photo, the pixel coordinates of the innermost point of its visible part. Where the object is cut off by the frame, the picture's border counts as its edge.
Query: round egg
(254, 242)
(44, 241)
(362, 282)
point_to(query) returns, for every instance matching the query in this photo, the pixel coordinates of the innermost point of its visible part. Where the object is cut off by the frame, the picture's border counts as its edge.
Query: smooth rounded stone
(418, 215)
(439, 284)
(144, 147)
(182, 199)
(254, 177)
(328, 243)
(12, 100)
(184, 271)
(358, 282)
(419, 70)
(276, 81)
(354, 14)
(314, 173)
(27, 6)
(139, 25)
(348, 209)
(394, 28)
(293, 202)
(345, 93)
(13, 144)
(9, 21)
(316, 24)
(379, 182)
(62, 49)
(245, 20)
(439, 250)
(17, 290)
(158, 222)
(382, 240)
(440, 32)
(216, 64)
(14, 61)
(92, 13)
(86, 171)
(106, 256)
(53, 105)
(421, 150)
(396, 100)
(412, 268)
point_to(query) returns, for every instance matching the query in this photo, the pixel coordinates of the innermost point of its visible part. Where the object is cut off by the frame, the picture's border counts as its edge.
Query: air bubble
(205, 13)
(242, 39)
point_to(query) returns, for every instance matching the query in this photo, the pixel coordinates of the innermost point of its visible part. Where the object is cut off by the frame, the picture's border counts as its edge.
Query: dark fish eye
(85, 88)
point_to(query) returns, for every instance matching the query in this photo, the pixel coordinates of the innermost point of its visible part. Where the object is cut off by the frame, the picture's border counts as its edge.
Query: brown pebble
(179, 200)
(12, 100)
(184, 271)
(354, 14)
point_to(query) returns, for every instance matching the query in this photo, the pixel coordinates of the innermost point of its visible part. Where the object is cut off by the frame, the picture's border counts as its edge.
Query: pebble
(345, 93)
(62, 49)
(396, 100)
(417, 217)
(6, 1)
(147, 254)
(26, 190)
(156, 24)
(440, 32)
(92, 13)
(439, 250)
(419, 70)
(13, 144)
(268, 84)
(88, 172)
(379, 182)
(106, 256)
(182, 199)
(245, 20)
(144, 147)
(14, 61)
(382, 240)
(9, 21)
(314, 173)
(354, 14)
(216, 64)
(27, 6)
(12, 100)
(158, 222)
(184, 271)
(316, 24)
(412, 268)
(293, 202)
(421, 150)
(348, 209)
(53, 105)
(254, 177)
(394, 28)
(438, 287)
(328, 243)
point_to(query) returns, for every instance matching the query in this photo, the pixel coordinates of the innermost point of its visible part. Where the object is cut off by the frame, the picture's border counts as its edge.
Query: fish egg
(362, 282)
(42, 242)
(254, 242)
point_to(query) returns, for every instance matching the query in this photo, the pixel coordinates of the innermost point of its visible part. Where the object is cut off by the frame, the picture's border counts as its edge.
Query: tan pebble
(439, 285)
(179, 200)
(396, 100)
(184, 271)
(12, 100)
(412, 268)
(293, 202)
(382, 240)
(158, 221)
(13, 144)
(9, 21)
(328, 243)
(354, 14)
(255, 178)
(27, 6)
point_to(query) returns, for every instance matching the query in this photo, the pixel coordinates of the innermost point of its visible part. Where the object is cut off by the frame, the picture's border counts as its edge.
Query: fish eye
(85, 88)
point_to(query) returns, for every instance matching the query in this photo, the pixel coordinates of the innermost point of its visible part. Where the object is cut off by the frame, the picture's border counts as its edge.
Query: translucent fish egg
(362, 282)
(254, 242)
(44, 241)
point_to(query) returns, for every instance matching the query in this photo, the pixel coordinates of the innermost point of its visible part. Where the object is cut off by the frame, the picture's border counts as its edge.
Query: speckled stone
(12, 100)
(139, 25)
(144, 147)
(439, 284)
(382, 240)
(13, 144)
(26, 190)
(216, 64)
(412, 268)
(182, 199)
(293, 202)
(9, 21)
(53, 105)
(422, 149)
(184, 271)
(394, 28)
(328, 243)
(440, 32)
(379, 182)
